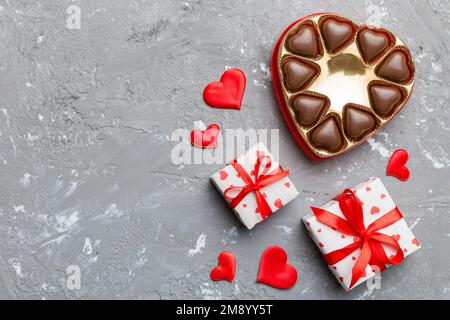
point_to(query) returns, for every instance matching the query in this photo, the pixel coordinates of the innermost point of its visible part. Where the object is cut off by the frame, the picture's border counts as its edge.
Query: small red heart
(397, 165)
(319, 230)
(342, 236)
(244, 205)
(278, 203)
(368, 188)
(205, 138)
(341, 279)
(321, 244)
(353, 258)
(334, 267)
(415, 242)
(223, 175)
(226, 268)
(274, 269)
(228, 92)
(264, 195)
(396, 237)
(405, 250)
(287, 184)
(374, 210)
(383, 196)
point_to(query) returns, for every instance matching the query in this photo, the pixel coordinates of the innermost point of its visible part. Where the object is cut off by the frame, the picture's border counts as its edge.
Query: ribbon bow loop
(368, 240)
(263, 178)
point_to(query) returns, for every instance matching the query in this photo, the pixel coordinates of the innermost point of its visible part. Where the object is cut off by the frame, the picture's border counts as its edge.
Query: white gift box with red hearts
(276, 194)
(376, 203)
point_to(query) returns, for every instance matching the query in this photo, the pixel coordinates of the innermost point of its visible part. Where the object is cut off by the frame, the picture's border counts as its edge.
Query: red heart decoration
(396, 237)
(397, 165)
(374, 210)
(415, 242)
(226, 268)
(278, 203)
(274, 269)
(223, 175)
(228, 92)
(205, 138)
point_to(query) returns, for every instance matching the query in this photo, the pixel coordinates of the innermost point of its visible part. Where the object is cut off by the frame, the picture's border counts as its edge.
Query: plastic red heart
(226, 268)
(274, 269)
(397, 165)
(228, 92)
(205, 138)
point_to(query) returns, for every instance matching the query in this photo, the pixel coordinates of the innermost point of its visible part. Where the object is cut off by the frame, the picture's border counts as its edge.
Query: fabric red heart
(226, 268)
(397, 165)
(274, 269)
(205, 138)
(228, 92)
(396, 237)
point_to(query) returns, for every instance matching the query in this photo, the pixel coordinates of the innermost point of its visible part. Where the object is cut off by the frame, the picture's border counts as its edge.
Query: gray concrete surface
(86, 176)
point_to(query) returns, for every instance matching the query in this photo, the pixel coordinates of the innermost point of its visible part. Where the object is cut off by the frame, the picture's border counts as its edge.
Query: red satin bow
(368, 239)
(262, 179)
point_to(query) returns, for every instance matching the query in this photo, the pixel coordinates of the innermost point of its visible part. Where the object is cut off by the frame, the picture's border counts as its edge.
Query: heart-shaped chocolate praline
(308, 108)
(298, 74)
(396, 67)
(305, 41)
(384, 98)
(327, 135)
(337, 33)
(358, 122)
(373, 44)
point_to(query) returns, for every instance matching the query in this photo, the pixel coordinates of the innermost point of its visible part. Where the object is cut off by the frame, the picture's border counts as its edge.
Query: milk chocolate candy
(337, 83)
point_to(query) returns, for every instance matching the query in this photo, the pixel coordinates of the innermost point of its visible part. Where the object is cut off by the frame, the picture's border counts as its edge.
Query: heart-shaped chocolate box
(338, 83)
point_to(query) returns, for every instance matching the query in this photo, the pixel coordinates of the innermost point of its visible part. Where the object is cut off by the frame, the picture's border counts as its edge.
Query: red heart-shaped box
(337, 83)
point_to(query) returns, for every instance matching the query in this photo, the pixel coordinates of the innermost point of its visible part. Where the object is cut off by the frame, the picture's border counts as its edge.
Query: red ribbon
(368, 239)
(262, 179)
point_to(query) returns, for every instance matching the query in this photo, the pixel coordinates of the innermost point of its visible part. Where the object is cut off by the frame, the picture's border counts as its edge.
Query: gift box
(360, 233)
(255, 185)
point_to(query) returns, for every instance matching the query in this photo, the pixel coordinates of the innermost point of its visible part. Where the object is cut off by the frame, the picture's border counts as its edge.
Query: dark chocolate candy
(327, 135)
(357, 122)
(396, 67)
(305, 41)
(337, 33)
(384, 98)
(373, 44)
(298, 74)
(308, 108)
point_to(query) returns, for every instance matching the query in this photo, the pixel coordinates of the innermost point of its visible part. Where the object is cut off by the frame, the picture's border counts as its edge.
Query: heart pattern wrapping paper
(376, 203)
(276, 194)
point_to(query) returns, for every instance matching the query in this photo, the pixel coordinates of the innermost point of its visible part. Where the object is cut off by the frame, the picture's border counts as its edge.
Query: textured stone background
(85, 171)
